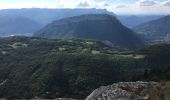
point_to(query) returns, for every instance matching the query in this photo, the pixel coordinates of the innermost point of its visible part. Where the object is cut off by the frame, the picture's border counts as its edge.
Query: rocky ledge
(128, 91)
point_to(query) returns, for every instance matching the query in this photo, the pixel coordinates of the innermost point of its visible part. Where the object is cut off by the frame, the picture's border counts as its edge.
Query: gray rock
(123, 91)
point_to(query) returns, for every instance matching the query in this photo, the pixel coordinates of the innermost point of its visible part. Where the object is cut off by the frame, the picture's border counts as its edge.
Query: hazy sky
(117, 6)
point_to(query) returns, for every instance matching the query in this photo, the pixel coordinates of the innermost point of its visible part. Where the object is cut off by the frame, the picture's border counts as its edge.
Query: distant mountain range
(156, 30)
(132, 21)
(45, 16)
(93, 26)
(23, 21)
(28, 21)
(37, 18)
(13, 25)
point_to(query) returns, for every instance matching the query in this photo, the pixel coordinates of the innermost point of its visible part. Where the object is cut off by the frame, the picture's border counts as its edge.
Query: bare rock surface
(126, 91)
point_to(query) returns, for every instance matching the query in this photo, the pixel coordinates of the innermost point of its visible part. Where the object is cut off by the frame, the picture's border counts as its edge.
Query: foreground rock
(54, 99)
(128, 91)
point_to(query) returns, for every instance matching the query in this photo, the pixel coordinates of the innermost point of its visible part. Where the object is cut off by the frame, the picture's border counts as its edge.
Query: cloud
(140, 7)
(146, 2)
(121, 6)
(106, 4)
(56, 4)
(24, 5)
(166, 3)
(118, 6)
(93, 4)
(83, 4)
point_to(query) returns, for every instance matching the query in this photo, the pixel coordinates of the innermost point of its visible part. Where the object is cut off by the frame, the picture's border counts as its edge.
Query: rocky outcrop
(127, 91)
(37, 98)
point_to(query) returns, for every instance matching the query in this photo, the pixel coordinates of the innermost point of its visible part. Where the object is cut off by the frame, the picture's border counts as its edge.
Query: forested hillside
(37, 67)
(101, 27)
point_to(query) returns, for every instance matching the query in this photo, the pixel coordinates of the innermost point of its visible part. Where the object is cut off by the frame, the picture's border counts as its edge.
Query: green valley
(72, 68)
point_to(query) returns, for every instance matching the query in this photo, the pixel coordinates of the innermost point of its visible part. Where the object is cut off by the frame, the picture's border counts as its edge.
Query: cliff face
(129, 91)
(92, 26)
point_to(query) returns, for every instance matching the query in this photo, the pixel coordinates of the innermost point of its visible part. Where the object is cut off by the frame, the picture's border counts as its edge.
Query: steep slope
(72, 68)
(45, 16)
(157, 30)
(12, 25)
(34, 18)
(132, 21)
(93, 26)
(50, 68)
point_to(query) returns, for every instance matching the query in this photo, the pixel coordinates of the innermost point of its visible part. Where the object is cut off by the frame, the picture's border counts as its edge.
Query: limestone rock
(126, 91)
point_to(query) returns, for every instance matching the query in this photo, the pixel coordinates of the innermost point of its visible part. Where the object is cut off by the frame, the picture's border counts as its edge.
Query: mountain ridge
(135, 20)
(13, 25)
(45, 16)
(93, 26)
(156, 30)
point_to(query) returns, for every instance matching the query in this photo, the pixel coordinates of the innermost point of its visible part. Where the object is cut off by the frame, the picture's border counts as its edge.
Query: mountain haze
(27, 21)
(92, 26)
(156, 30)
(12, 25)
(135, 20)
(45, 16)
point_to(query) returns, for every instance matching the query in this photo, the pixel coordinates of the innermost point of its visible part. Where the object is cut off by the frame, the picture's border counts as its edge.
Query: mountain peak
(86, 17)
(92, 26)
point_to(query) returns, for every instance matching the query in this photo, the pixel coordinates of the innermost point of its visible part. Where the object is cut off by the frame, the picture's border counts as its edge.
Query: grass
(95, 52)
(18, 45)
(4, 52)
(161, 92)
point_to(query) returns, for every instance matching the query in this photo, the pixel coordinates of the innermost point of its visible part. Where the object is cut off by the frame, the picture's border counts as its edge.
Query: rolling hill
(50, 68)
(72, 68)
(92, 26)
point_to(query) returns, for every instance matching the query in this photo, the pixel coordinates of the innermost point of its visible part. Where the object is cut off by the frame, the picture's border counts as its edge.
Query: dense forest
(52, 68)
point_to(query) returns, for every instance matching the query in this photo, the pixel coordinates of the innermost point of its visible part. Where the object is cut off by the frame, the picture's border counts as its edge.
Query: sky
(116, 6)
